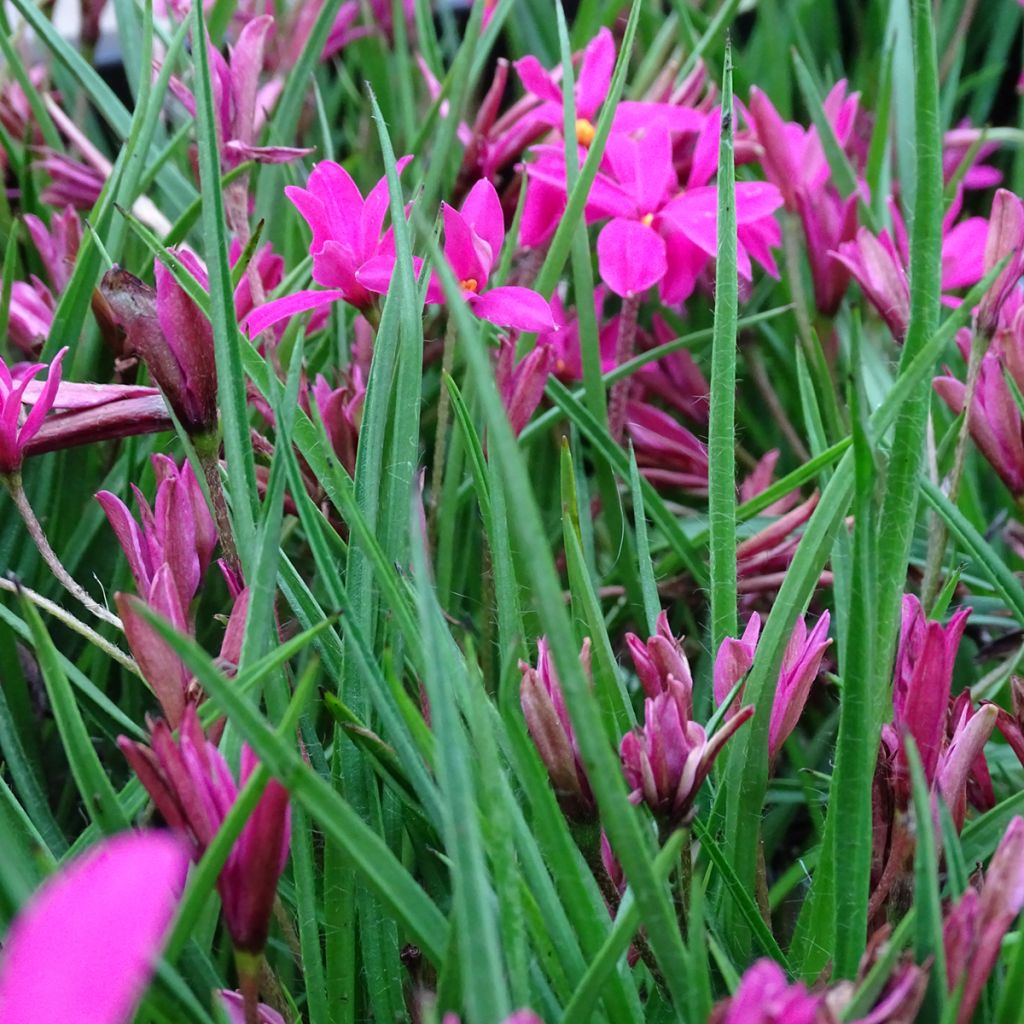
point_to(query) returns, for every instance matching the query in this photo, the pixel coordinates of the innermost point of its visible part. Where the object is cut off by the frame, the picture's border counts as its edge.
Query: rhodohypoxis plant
(86, 944)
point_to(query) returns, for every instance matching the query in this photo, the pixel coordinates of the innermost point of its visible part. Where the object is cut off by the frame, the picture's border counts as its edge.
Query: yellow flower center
(647, 219)
(585, 131)
(469, 285)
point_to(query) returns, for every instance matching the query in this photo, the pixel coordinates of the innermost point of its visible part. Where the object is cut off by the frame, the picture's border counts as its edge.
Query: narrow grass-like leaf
(722, 418)
(94, 787)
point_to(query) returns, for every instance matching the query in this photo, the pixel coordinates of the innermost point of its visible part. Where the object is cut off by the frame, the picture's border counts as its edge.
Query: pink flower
(473, 237)
(766, 996)
(193, 789)
(1005, 238)
(172, 335)
(240, 104)
(564, 338)
(801, 663)
(234, 1007)
(16, 433)
(666, 760)
(975, 926)
(86, 944)
(521, 385)
(57, 244)
(30, 315)
(675, 378)
(547, 719)
(341, 410)
(72, 182)
(347, 240)
(668, 454)
(659, 659)
(879, 264)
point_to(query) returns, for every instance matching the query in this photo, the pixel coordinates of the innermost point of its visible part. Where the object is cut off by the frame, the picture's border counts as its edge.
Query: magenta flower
(794, 160)
(667, 453)
(878, 264)
(666, 760)
(675, 378)
(30, 315)
(85, 945)
(233, 1004)
(593, 80)
(57, 244)
(521, 385)
(15, 432)
(473, 237)
(994, 419)
(1005, 238)
(975, 926)
(192, 787)
(341, 411)
(241, 105)
(922, 680)
(347, 239)
(766, 996)
(72, 182)
(564, 338)
(547, 719)
(659, 659)
(172, 335)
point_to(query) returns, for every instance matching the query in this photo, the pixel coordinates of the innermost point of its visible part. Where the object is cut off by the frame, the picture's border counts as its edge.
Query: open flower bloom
(473, 237)
(16, 432)
(766, 996)
(547, 719)
(348, 239)
(85, 945)
(974, 928)
(193, 789)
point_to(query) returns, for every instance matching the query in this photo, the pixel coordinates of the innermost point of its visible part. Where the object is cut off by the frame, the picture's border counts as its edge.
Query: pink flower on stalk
(521, 385)
(341, 410)
(172, 335)
(240, 104)
(86, 944)
(192, 787)
(347, 240)
(15, 432)
(1005, 238)
(878, 264)
(550, 727)
(766, 996)
(473, 237)
(994, 419)
(564, 338)
(593, 80)
(794, 160)
(659, 658)
(667, 759)
(975, 926)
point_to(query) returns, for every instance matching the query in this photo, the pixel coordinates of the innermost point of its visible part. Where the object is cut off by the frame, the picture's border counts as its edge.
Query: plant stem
(624, 346)
(35, 529)
(938, 537)
(13, 586)
(437, 470)
(208, 451)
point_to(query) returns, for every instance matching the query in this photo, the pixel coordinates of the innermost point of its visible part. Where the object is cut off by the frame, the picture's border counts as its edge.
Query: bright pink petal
(595, 74)
(631, 256)
(536, 80)
(462, 249)
(520, 308)
(84, 947)
(482, 212)
(271, 313)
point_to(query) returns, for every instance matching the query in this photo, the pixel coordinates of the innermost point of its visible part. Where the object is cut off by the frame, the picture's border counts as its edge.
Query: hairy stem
(624, 346)
(209, 458)
(35, 530)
